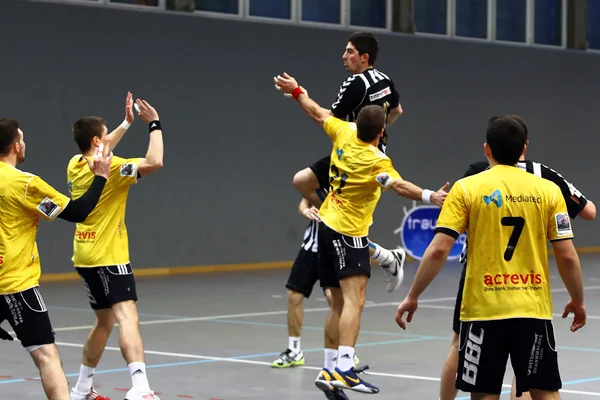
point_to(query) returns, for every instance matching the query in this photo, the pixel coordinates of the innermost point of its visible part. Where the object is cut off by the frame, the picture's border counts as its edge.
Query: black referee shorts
(304, 273)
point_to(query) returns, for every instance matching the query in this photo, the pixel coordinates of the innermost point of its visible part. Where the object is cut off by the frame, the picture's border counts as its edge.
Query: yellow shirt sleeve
(455, 211)
(334, 126)
(124, 170)
(559, 223)
(43, 199)
(384, 173)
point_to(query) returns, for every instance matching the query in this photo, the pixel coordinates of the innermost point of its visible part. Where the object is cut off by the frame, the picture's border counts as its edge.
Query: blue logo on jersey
(417, 232)
(339, 153)
(70, 186)
(495, 198)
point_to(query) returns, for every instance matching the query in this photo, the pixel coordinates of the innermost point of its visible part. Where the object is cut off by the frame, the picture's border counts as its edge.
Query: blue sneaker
(350, 380)
(323, 382)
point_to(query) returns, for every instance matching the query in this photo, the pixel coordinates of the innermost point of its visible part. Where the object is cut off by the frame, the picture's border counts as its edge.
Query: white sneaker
(92, 395)
(135, 394)
(394, 272)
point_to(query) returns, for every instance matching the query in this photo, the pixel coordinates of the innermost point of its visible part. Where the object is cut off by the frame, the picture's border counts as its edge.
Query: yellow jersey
(508, 215)
(358, 173)
(24, 198)
(101, 240)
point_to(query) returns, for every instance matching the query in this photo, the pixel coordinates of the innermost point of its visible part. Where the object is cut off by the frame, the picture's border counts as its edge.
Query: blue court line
(273, 354)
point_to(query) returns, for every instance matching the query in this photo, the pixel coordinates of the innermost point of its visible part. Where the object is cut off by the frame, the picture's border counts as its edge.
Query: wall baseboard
(203, 269)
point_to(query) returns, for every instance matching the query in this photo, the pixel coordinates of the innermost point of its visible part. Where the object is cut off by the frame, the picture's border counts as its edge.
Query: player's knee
(354, 289)
(126, 313)
(305, 180)
(335, 298)
(44, 356)
(105, 319)
(454, 343)
(294, 298)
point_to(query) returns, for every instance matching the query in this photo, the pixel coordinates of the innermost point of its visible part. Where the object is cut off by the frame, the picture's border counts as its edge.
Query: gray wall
(233, 144)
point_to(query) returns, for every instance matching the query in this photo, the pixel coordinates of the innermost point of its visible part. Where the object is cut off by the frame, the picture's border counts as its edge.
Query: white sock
(86, 378)
(294, 344)
(382, 256)
(345, 360)
(330, 359)
(139, 379)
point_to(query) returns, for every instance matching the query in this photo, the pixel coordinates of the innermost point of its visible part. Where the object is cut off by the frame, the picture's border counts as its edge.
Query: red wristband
(297, 92)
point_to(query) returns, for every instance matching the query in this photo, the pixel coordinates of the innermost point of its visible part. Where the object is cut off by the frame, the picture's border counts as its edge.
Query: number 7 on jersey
(518, 223)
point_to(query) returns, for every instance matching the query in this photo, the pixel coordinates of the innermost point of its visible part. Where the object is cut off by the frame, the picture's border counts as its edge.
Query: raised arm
(288, 84)
(116, 135)
(154, 156)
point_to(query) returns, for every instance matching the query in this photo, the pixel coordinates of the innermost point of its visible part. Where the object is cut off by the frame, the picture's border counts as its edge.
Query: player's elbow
(439, 253)
(589, 211)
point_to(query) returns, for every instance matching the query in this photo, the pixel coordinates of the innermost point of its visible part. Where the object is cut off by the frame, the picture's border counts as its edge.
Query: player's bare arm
(308, 210)
(287, 84)
(433, 260)
(394, 114)
(117, 134)
(154, 156)
(569, 269)
(414, 192)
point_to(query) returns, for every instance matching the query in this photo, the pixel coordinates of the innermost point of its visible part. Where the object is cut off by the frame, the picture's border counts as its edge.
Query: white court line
(263, 363)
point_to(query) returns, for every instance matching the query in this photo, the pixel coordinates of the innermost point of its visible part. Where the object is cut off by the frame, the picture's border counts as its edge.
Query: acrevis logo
(80, 235)
(417, 231)
(1, 260)
(516, 279)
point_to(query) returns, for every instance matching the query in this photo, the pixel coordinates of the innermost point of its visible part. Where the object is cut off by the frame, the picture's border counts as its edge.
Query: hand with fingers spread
(129, 117)
(312, 213)
(147, 112)
(439, 197)
(285, 83)
(100, 165)
(579, 317)
(409, 305)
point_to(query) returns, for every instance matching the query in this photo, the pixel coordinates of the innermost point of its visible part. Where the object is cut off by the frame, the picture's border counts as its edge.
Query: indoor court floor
(213, 336)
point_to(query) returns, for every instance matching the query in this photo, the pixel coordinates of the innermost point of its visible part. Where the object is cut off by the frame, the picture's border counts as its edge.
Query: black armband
(154, 126)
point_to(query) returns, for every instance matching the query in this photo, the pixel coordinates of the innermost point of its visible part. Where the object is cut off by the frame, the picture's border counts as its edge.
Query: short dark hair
(365, 42)
(9, 135)
(506, 139)
(517, 118)
(370, 122)
(85, 129)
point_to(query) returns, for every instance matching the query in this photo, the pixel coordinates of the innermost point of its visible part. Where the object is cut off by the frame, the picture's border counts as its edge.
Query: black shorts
(461, 285)
(27, 314)
(341, 256)
(304, 273)
(484, 347)
(321, 170)
(109, 285)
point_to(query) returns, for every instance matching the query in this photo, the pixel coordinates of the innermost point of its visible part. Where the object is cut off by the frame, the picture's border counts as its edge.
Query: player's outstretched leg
(293, 355)
(92, 352)
(391, 262)
(132, 349)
